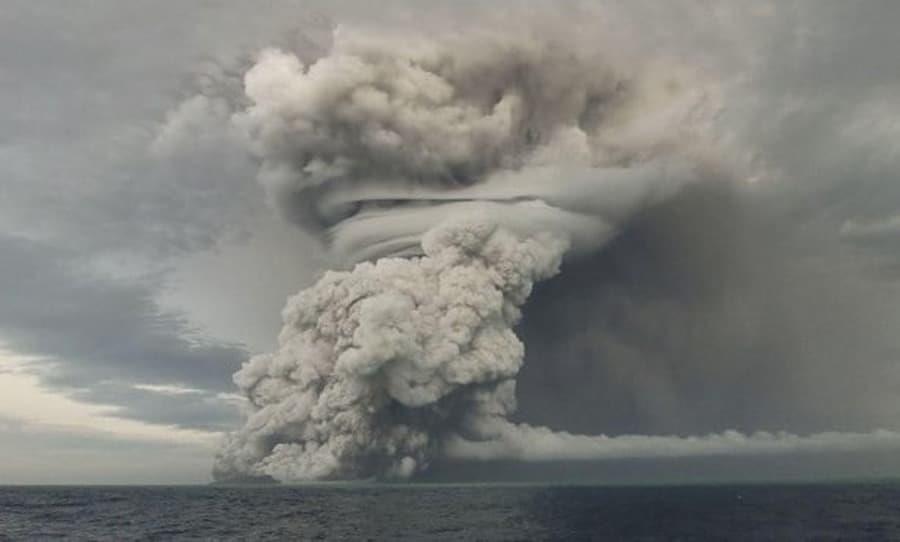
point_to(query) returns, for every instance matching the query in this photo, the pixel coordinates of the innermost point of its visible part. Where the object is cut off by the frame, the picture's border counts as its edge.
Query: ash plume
(375, 363)
(450, 173)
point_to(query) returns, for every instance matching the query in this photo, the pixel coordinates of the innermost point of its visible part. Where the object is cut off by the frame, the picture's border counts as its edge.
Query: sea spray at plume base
(500, 439)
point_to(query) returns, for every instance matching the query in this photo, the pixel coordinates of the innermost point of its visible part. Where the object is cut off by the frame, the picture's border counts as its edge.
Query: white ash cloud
(375, 365)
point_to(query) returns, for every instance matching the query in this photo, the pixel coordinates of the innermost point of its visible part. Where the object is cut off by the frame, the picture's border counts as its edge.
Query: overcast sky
(139, 263)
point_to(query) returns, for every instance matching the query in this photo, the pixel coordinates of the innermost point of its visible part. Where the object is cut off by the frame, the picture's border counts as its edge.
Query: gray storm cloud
(451, 173)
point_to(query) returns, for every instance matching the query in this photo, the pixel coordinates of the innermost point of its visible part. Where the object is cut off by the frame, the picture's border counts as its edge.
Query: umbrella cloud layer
(376, 142)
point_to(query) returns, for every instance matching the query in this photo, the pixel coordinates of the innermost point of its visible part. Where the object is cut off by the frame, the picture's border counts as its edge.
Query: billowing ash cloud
(382, 138)
(453, 173)
(375, 364)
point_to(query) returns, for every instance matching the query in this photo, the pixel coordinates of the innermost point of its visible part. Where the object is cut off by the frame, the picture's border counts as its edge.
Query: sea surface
(453, 512)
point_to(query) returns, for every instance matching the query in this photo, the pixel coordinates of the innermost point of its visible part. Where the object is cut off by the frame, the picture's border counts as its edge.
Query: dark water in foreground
(471, 512)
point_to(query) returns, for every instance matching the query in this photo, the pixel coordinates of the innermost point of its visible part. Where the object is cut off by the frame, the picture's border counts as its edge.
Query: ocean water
(453, 512)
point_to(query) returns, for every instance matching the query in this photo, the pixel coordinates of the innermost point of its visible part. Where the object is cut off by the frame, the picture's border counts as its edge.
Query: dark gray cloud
(97, 206)
(86, 90)
(102, 336)
(713, 312)
(767, 309)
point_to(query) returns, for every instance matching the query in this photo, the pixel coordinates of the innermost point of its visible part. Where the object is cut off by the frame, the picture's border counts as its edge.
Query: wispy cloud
(106, 341)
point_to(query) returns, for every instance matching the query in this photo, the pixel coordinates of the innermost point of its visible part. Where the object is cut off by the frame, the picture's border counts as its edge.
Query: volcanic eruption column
(452, 174)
